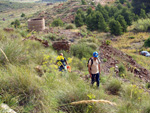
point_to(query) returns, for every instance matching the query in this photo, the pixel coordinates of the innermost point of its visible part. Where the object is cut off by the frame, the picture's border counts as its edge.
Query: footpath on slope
(112, 55)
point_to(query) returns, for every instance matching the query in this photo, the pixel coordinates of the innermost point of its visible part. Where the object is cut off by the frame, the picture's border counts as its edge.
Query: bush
(104, 60)
(142, 25)
(133, 93)
(131, 37)
(16, 23)
(52, 37)
(57, 22)
(115, 27)
(108, 42)
(23, 33)
(147, 42)
(92, 45)
(89, 40)
(148, 85)
(122, 70)
(146, 109)
(70, 26)
(23, 15)
(114, 87)
(81, 51)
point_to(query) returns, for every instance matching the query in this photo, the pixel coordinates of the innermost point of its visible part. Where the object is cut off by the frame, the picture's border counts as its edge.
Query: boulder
(61, 45)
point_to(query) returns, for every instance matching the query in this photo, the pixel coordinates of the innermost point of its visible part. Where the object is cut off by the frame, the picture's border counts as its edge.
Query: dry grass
(93, 101)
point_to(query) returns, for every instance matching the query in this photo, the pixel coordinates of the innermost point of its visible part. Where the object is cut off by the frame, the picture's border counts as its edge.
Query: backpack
(91, 61)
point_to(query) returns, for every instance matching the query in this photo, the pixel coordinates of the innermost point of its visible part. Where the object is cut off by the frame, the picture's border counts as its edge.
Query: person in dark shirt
(61, 62)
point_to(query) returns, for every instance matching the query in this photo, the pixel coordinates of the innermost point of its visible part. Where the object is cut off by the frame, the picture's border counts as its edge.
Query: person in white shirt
(94, 69)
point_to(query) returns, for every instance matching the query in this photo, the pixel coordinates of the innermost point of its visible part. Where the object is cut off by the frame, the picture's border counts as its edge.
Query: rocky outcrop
(112, 55)
(44, 42)
(61, 45)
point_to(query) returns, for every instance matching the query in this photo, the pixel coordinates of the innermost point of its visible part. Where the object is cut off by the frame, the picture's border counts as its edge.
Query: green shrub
(81, 51)
(83, 34)
(127, 107)
(114, 87)
(23, 33)
(147, 42)
(142, 25)
(89, 40)
(57, 22)
(148, 85)
(133, 93)
(70, 26)
(52, 37)
(122, 70)
(131, 37)
(108, 42)
(16, 23)
(92, 45)
(23, 15)
(104, 60)
(146, 109)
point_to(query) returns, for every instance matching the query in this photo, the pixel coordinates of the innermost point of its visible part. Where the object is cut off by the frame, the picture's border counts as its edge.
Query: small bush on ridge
(81, 51)
(57, 22)
(114, 87)
(70, 26)
(147, 42)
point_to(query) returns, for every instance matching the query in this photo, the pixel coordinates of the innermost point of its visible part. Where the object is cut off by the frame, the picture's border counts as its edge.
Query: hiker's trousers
(95, 77)
(62, 68)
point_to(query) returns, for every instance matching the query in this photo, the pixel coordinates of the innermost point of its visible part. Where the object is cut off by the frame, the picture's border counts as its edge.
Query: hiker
(61, 62)
(94, 68)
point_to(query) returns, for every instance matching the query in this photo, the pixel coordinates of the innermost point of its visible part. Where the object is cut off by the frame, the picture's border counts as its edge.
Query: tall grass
(21, 89)
(14, 50)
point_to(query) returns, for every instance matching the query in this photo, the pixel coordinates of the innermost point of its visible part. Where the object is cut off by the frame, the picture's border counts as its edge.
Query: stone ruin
(37, 24)
(61, 45)
(8, 29)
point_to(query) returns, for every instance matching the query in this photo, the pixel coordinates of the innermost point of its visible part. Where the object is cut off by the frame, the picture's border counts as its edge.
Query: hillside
(30, 79)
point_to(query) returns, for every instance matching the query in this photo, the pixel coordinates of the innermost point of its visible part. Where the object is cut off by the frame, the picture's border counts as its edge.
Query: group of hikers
(93, 67)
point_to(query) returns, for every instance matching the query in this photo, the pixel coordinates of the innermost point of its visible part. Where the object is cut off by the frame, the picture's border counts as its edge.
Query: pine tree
(102, 26)
(78, 20)
(89, 11)
(143, 14)
(123, 23)
(99, 8)
(107, 8)
(115, 27)
(119, 6)
(80, 11)
(105, 15)
(141, 4)
(128, 15)
(83, 2)
(122, 1)
(89, 22)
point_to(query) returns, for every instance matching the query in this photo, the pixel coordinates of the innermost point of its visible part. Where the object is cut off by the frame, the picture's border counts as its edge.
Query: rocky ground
(114, 57)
